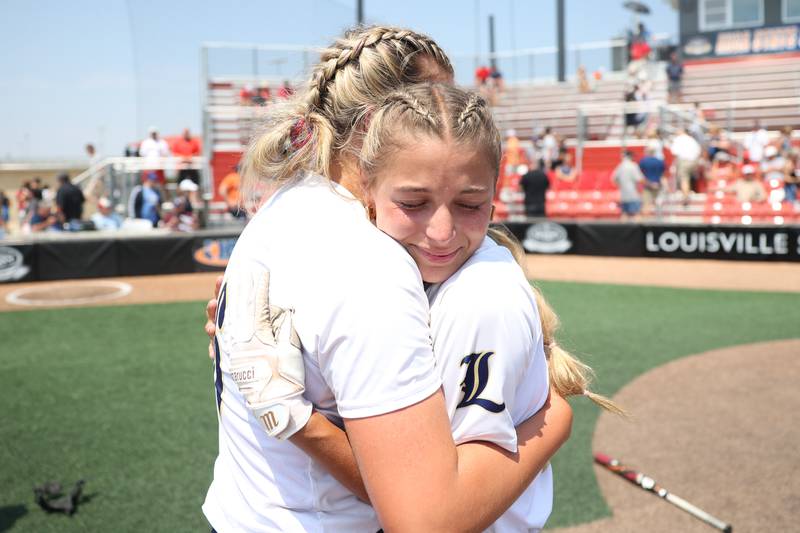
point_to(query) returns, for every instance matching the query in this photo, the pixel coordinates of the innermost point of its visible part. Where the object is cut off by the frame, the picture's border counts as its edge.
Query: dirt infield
(757, 276)
(738, 423)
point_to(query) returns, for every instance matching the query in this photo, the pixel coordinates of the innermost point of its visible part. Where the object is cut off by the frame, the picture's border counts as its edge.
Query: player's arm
(538, 439)
(418, 481)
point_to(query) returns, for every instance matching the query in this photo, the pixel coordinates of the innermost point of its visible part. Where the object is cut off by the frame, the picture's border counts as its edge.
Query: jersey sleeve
(489, 344)
(376, 354)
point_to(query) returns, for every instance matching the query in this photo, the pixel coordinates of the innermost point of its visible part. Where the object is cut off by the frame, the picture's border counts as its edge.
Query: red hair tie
(300, 134)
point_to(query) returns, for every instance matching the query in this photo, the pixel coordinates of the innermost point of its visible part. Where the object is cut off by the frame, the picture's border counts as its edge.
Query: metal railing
(270, 63)
(116, 177)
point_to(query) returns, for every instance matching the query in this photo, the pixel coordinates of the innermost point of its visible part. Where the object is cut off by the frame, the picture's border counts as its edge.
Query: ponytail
(568, 375)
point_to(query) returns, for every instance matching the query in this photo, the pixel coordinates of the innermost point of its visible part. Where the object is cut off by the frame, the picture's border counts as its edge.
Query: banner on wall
(212, 253)
(633, 240)
(16, 263)
(709, 242)
(183, 253)
(766, 40)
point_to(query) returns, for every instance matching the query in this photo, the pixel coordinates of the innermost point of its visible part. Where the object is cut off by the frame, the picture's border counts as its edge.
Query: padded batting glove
(268, 369)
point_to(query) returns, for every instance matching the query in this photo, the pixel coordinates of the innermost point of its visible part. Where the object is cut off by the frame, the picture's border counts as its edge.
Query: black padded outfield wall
(754, 243)
(74, 258)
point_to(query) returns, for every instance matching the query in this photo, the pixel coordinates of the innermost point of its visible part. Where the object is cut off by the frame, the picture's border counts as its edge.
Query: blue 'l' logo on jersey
(475, 381)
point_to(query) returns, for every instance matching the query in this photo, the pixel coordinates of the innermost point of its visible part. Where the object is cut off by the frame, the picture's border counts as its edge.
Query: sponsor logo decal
(270, 420)
(215, 252)
(697, 46)
(12, 264)
(546, 238)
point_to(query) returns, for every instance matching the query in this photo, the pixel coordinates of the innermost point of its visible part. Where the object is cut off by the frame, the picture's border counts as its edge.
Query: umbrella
(637, 7)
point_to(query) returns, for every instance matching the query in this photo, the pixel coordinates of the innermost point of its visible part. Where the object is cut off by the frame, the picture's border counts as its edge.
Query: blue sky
(102, 71)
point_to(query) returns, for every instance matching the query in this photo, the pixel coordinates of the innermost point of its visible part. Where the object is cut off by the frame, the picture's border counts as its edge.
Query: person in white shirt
(755, 141)
(686, 151)
(152, 150)
(363, 327)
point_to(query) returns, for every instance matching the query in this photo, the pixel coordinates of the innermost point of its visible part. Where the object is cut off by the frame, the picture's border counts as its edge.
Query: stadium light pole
(560, 38)
(492, 57)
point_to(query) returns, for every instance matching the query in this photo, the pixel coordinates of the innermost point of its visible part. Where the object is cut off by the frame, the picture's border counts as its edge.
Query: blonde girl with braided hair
(429, 162)
(304, 348)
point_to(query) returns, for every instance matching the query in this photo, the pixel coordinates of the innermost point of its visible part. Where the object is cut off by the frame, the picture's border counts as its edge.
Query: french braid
(406, 101)
(348, 51)
(316, 127)
(475, 105)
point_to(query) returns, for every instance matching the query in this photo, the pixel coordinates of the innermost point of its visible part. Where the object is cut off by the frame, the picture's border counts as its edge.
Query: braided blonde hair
(316, 126)
(437, 110)
(454, 115)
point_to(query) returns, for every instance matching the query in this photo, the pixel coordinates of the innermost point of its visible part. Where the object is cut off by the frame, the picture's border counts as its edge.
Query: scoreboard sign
(766, 40)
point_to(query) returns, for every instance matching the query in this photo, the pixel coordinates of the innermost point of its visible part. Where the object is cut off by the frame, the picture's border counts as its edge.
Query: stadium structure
(741, 63)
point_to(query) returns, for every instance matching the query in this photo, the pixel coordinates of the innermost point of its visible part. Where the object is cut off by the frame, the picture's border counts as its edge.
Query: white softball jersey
(362, 317)
(487, 338)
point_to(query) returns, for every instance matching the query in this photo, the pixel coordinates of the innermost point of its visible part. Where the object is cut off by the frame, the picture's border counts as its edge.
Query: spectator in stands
(583, 80)
(180, 215)
(132, 149)
(777, 171)
(699, 125)
(246, 94)
(263, 95)
(718, 141)
(230, 189)
(147, 200)
(675, 78)
(286, 90)
(565, 170)
(186, 148)
(627, 175)
(497, 79)
(635, 118)
(105, 219)
(784, 143)
(755, 141)
(94, 157)
(653, 169)
(534, 184)
(44, 218)
(176, 218)
(723, 169)
(749, 188)
(37, 189)
(550, 145)
(792, 179)
(153, 149)
(493, 86)
(24, 198)
(69, 199)
(482, 74)
(187, 192)
(655, 143)
(686, 151)
(5, 214)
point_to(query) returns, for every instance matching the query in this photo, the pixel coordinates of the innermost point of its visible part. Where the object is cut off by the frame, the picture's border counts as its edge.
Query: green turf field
(123, 396)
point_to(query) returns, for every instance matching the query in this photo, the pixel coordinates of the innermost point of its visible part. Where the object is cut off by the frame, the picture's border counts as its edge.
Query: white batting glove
(268, 369)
